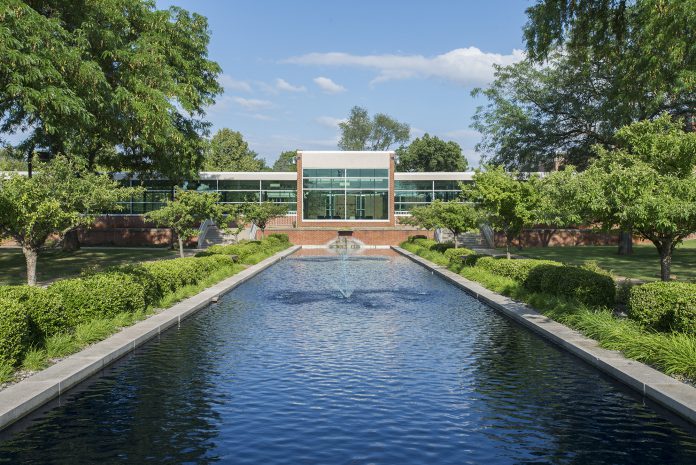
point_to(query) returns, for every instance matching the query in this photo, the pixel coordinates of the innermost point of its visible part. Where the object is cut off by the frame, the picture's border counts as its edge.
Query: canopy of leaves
(187, 211)
(430, 153)
(360, 132)
(61, 196)
(116, 82)
(286, 161)
(261, 213)
(228, 151)
(506, 200)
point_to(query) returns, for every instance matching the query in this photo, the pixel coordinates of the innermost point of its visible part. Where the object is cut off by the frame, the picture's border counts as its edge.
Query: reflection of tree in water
(532, 394)
(152, 409)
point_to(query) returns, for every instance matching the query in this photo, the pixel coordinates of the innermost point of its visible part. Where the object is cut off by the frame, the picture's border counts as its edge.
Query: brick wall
(561, 237)
(306, 236)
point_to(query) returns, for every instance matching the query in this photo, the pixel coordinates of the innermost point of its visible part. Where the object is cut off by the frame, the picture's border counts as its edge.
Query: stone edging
(676, 396)
(22, 398)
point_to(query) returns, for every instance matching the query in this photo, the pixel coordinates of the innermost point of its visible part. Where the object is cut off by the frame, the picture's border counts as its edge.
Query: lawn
(54, 264)
(644, 264)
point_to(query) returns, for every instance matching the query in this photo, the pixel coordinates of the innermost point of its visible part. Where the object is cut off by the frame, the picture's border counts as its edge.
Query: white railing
(203, 231)
(252, 232)
(488, 235)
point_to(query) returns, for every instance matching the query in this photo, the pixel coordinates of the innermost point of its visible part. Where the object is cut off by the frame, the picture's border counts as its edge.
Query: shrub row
(28, 315)
(440, 253)
(250, 252)
(664, 306)
(589, 286)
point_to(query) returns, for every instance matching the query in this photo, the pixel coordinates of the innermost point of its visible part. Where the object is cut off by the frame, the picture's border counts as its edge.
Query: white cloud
(465, 66)
(282, 84)
(229, 83)
(328, 86)
(252, 103)
(329, 121)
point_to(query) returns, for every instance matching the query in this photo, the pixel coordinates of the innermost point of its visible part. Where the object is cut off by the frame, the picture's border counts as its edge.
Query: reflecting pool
(289, 368)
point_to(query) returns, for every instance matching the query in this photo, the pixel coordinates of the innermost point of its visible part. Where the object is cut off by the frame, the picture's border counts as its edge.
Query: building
(330, 191)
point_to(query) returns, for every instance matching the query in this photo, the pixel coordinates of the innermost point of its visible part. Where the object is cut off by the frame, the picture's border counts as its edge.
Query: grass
(671, 353)
(54, 264)
(644, 264)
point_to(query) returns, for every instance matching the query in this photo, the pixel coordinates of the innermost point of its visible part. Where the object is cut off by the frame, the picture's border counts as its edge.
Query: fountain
(343, 245)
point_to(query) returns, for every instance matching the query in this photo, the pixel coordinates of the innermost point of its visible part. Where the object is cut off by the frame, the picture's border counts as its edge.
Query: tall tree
(228, 151)
(505, 199)
(430, 153)
(286, 161)
(186, 212)
(646, 184)
(60, 197)
(360, 132)
(116, 82)
(650, 41)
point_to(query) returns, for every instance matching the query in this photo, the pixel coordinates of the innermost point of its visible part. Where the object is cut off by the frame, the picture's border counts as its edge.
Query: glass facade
(410, 194)
(345, 194)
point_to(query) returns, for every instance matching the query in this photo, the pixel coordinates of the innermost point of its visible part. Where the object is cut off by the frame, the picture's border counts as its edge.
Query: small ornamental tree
(506, 200)
(556, 206)
(646, 185)
(61, 196)
(261, 213)
(454, 216)
(186, 212)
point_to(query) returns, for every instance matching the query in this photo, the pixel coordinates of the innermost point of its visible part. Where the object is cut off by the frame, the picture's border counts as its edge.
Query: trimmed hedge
(664, 306)
(455, 254)
(15, 331)
(518, 269)
(250, 252)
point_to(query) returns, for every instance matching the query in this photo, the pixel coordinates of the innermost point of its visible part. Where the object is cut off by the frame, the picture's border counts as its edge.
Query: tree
(454, 216)
(286, 161)
(381, 132)
(115, 82)
(60, 197)
(261, 213)
(228, 151)
(556, 206)
(186, 212)
(430, 153)
(649, 41)
(646, 185)
(505, 199)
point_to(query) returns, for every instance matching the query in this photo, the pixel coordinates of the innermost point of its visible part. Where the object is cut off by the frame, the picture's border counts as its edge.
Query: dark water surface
(407, 369)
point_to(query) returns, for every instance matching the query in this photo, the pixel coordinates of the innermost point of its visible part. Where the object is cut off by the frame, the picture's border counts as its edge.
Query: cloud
(463, 133)
(252, 103)
(464, 66)
(329, 121)
(282, 84)
(328, 86)
(229, 83)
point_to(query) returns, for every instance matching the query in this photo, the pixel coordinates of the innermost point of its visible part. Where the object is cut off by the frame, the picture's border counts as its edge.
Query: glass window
(236, 196)
(447, 185)
(238, 185)
(447, 195)
(413, 185)
(279, 185)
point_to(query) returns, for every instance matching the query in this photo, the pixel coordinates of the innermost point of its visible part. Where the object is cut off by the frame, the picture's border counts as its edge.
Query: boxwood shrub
(15, 332)
(517, 269)
(664, 306)
(589, 287)
(455, 254)
(46, 316)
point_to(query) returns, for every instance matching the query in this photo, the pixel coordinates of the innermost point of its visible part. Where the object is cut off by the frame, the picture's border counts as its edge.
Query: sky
(293, 69)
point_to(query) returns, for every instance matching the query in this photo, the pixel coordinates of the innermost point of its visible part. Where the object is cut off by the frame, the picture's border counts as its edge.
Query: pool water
(365, 359)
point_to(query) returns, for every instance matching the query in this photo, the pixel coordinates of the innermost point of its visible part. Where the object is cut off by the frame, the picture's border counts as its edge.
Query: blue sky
(293, 69)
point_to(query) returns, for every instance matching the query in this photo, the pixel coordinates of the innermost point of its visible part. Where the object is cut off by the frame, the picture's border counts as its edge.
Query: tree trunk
(71, 241)
(508, 242)
(665, 250)
(181, 245)
(626, 242)
(31, 256)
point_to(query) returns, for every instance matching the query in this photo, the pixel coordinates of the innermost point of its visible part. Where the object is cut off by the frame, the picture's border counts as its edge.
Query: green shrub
(170, 275)
(97, 296)
(664, 306)
(589, 287)
(15, 332)
(454, 255)
(516, 269)
(46, 315)
(279, 236)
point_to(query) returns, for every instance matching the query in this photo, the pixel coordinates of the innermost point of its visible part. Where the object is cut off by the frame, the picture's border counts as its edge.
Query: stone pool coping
(30, 394)
(674, 395)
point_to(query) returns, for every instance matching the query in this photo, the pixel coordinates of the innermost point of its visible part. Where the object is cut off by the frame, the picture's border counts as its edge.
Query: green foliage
(360, 132)
(586, 286)
(228, 151)
(453, 216)
(664, 306)
(430, 153)
(44, 309)
(456, 254)
(61, 196)
(519, 270)
(286, 161)
(15, 332)
(261, 213)
(505, 199)
(647, 185)
(117, 83)
(251, 252)
(188, 210)
(170, 275)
